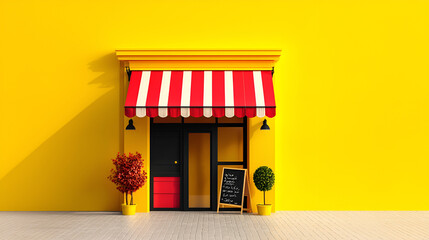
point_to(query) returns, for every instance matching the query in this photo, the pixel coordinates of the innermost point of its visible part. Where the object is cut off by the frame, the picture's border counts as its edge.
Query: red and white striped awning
(200, 93)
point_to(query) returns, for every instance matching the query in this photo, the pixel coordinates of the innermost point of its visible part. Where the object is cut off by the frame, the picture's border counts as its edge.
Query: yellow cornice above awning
(199, 59)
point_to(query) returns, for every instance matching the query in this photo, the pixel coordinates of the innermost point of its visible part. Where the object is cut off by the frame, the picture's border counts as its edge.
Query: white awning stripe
(165, 89)
(142, 96)
(186, 93)
(141, 112)
(229, 94)
(163, 95)
(259, 94)
(229, 89)
(207, 100)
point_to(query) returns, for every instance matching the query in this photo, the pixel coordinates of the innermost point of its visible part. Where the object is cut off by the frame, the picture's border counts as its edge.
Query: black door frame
(214, 163)
(212, 130)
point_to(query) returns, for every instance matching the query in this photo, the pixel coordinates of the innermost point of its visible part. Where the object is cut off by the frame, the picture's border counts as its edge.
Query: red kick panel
(163, 200)
(166, 192)
(166, 187)
(166, 179)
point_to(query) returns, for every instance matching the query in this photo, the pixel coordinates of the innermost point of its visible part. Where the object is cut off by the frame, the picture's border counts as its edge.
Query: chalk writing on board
(232, 186)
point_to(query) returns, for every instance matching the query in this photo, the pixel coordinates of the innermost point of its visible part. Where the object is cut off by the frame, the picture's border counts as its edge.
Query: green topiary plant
(264, 179)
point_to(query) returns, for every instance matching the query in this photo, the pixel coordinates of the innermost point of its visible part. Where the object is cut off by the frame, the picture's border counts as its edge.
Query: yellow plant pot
(264, 210)
(128, 209)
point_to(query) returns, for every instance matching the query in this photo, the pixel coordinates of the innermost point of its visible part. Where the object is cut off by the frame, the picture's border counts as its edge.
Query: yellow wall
(261, 150)
(352, 125)
(138, 141)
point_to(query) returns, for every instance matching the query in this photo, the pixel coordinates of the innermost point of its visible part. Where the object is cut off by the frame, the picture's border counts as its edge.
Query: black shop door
(165, 168)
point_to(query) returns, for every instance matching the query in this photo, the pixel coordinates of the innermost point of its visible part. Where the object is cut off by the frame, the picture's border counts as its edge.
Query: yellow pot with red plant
(128, 177)
(129, 209)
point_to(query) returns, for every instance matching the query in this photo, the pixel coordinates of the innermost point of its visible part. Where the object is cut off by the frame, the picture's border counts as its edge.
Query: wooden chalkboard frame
(245, 191)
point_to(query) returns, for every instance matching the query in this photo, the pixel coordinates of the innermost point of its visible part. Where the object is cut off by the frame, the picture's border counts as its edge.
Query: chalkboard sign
(232, 186)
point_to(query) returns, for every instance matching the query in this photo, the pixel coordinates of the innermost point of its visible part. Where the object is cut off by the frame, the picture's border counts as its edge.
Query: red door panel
(166, 187)
(166, 192)
(166, 200)
(166, 179)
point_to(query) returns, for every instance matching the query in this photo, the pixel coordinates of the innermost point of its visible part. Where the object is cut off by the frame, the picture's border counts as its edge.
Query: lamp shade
(130, 125)
(265, 125)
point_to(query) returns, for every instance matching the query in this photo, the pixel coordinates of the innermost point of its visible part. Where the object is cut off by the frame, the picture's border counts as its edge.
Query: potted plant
(128, 177)
(264, 181)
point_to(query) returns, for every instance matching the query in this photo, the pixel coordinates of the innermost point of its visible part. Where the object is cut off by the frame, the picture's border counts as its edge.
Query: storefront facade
(186, 146)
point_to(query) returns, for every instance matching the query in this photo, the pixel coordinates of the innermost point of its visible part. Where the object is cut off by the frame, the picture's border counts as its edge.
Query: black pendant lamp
(265, 125)
(130, 125)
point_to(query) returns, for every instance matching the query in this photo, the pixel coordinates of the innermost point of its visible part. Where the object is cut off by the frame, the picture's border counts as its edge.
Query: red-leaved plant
(128, 174)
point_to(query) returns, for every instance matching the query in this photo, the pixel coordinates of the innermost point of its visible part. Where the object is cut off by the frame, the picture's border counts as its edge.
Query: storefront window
(230, 144)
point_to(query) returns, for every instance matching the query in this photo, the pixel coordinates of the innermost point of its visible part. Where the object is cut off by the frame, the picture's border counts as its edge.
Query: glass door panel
(199, 170)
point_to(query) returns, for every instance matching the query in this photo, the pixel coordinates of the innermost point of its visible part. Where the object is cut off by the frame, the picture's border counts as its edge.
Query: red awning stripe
(200, 93)
(197, 91)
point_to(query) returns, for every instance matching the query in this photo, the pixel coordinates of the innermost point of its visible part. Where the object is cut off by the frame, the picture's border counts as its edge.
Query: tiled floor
(209, 225)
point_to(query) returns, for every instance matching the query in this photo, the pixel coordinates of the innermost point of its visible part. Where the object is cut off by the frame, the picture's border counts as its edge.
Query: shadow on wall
(68, 172)
(108, 65)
